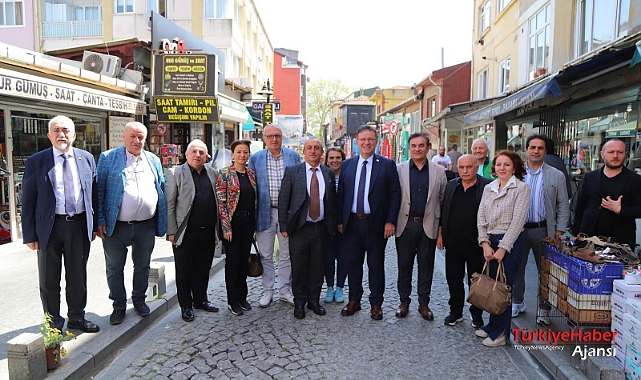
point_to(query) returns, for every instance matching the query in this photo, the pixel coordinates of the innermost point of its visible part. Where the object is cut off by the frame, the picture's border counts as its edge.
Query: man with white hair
(131, 212)
(480, 152)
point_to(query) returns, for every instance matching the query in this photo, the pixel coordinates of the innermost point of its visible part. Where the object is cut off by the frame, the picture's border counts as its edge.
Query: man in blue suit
(131, 212)
(369, 197)
(58, 221)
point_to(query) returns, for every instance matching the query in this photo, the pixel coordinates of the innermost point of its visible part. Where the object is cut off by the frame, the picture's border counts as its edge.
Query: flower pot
(53, 357)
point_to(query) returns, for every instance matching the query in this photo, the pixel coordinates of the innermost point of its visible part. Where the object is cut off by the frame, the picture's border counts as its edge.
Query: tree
(320, 94)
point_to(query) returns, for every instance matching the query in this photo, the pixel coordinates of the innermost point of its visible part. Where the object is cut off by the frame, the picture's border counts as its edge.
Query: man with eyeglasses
(369, 197)
(269, 165)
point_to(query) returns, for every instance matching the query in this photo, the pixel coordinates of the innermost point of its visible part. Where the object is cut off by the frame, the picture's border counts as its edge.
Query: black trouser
(68, 239)
(193, 259)
(236, 255)
(457, 255)
(308, 253)
(414, 243)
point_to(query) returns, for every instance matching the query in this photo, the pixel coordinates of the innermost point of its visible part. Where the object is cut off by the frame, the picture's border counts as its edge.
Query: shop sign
(187, 109)
(258, 106)
(117, 130)
(185, 74)
(22, 85)
(268, 114)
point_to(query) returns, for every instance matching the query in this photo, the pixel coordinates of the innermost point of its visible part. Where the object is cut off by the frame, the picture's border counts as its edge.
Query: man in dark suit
(609, 199)
(192, 221)
(369, 197)
(58, 221)
(307, 215)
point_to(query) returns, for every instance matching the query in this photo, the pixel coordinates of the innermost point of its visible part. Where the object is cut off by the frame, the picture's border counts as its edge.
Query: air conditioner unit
(103, 64)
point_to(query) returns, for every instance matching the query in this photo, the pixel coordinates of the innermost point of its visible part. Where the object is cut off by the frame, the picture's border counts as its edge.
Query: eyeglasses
(367, 140)
(269, 137)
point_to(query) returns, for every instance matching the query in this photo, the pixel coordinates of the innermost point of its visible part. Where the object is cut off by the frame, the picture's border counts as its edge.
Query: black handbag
(254, 265)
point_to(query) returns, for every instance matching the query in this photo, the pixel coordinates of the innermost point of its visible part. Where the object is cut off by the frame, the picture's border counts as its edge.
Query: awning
(516, 100)
(232, 110)
(249, 125)
(600, 126)
(625, 130)
(636, 58)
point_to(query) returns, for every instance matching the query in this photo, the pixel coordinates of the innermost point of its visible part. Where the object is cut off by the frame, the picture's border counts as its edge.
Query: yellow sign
(187, 109)
(268, 114)
(453, 139)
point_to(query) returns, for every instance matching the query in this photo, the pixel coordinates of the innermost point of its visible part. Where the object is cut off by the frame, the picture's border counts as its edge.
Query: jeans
(142, 238)
(336, 254)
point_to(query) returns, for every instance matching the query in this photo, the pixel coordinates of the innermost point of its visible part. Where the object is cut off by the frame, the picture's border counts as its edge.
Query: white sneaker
(543, 317)
(266, 299)
(494, 343)
(480, 333)
(517, 308)
(287, 298)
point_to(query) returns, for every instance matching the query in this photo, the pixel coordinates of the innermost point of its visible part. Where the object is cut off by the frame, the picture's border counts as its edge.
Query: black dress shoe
(83, 325)
(316, 307)
(117, 317)
(245, 305)
(142, 309)
(299, 309)
(207, 306)
(187, 314)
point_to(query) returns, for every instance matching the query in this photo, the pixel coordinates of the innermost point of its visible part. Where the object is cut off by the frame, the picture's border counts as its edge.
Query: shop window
(539, 43)
(124, 6)
(219, 9)
(11, 13)
(484, 17)
(504, 76)
(482, 85)
(600, 22)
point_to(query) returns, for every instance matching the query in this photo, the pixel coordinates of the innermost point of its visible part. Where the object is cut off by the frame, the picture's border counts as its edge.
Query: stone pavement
(271, 343)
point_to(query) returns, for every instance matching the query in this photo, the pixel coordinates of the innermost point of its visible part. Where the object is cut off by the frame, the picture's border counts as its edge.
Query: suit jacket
(258, 163)
(557, 207)
(179, 195)
(435, 193)
(293, 199)
(588, 205)
(111, 185)
(557, 162)
(448, 199)
(384, 193)
(39, 199)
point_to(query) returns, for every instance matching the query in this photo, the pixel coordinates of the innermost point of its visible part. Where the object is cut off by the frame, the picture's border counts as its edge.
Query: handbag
(254, 265)
(489, 294)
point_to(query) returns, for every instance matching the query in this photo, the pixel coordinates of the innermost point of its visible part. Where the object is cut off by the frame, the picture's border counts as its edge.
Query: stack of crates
(626, 321)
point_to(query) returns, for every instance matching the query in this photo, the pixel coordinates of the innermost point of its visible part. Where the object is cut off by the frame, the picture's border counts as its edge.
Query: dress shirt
(60, 183)
(139, 198)
(275, 173)
(370, 161)
(419, 187)
(321, 190)
(534, 178)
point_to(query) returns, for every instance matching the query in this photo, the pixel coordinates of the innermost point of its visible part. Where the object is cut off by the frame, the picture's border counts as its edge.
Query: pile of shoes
(595, 249)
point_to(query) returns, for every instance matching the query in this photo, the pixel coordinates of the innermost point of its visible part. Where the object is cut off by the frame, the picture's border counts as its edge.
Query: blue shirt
(534, 178)
(419, 185)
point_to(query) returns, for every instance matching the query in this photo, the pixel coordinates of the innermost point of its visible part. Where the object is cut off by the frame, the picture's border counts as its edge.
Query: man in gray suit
(548, 216)
(422, 189)
(307, 215)
(192, 222)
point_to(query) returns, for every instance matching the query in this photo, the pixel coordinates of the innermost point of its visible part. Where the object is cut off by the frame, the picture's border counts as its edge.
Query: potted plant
(53, 342)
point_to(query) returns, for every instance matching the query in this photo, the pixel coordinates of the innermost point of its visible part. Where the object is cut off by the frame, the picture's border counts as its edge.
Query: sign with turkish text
(185, 74)
(117, 130)
(187, 109)
(258, 106)
(268, 114)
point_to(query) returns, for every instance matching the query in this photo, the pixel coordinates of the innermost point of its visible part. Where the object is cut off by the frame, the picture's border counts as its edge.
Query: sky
(369, 43)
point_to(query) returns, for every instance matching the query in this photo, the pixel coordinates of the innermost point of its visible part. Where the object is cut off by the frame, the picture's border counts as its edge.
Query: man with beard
(609, 199)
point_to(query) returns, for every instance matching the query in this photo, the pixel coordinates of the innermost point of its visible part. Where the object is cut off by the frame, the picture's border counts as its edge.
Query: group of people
(328, 219)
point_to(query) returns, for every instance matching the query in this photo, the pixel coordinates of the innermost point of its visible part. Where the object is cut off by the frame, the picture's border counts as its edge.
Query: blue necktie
(70, 193)
(360, 200)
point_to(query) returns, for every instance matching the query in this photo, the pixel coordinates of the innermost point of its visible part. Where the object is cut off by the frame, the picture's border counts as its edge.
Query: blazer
(293, 200)
(258, 163)
(39, 198)
(588, 205)
(557, 206)
(448, 199)
(179, 195)
(111, 185)
(557, 162)
(435, 193)
(228, 193)
(384, 193)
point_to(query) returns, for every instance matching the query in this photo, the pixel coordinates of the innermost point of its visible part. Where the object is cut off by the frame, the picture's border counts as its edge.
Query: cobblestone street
(271, 343)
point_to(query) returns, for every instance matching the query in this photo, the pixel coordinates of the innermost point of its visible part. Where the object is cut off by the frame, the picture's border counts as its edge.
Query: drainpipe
(440, 102)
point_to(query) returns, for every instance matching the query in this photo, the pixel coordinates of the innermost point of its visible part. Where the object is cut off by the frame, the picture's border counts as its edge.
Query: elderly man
(131, 212)
(58, 221)
(459, 236)
(192, 221)
(480, 152)
(269, 165)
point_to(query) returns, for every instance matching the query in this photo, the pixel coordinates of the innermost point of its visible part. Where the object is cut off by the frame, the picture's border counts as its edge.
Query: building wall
(22, 36)
(287, 86)
(456, 88)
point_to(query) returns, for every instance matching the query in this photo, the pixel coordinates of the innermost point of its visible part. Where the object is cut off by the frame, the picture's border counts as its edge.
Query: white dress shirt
(321, 190)
(370, 161)
(140, 197)
(60, 183)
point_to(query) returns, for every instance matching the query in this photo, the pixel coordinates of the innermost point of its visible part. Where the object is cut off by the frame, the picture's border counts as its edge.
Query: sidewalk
(22, 310)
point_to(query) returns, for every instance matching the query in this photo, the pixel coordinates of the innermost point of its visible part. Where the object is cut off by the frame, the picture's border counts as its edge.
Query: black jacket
(446, 207)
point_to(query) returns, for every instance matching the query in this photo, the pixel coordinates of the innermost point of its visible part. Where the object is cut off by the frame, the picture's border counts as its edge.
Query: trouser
(531, 240)
(414, 243)
(336, 262)
(236, 256)
(457, 256)
(193, 259)
(308, 248)
(266, 246)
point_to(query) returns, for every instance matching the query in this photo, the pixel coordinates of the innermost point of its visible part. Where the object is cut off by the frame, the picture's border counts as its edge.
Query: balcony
(72, 29)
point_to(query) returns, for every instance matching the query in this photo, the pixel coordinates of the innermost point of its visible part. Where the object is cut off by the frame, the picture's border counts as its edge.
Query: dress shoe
(83, 325)
(245, 305)
(338, 295)
(426, 313)
(235, 309)
(351, 308)
(377, 313)
(187, 314)
(142, 309)
(207, 306)
(117, 317)
(266, 299)
(316, 307)
(500, 341)
(299, 310)
(402, 310)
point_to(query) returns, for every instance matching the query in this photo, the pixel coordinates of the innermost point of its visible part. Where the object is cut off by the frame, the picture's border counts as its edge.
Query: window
(500, 5)
(601, 22)
(220, 9)
(482, 85)
(124, 6)
(484, 20)
(71, 10)
(11, 13)
(539, 43)
(158, 6)
(432, 107)
(504, 76)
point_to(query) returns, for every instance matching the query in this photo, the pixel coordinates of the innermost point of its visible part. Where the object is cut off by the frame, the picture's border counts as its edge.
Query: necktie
(70, 193)
(314, 197)
(360, 200)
